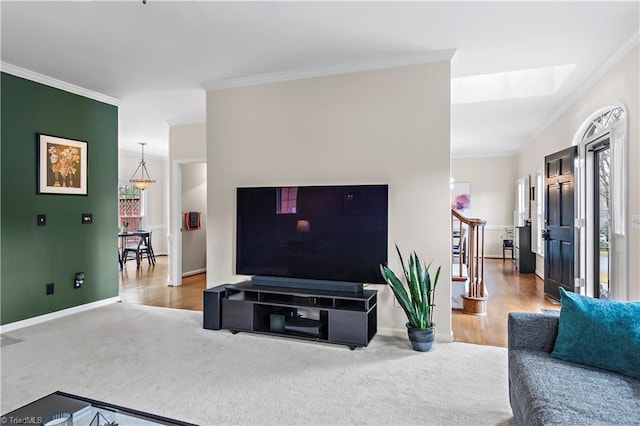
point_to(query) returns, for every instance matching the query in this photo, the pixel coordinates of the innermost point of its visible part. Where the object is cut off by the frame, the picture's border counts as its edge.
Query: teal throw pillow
(600, 333)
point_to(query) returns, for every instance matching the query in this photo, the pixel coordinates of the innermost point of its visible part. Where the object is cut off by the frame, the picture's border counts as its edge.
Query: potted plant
(418, 302)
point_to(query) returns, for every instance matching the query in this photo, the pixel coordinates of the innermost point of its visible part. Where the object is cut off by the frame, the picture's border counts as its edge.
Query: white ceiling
(157, 58)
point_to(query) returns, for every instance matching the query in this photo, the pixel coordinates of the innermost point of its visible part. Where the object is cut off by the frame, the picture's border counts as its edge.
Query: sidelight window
(601, 218)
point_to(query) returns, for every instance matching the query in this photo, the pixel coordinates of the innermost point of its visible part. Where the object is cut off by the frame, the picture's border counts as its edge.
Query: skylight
(509, 85)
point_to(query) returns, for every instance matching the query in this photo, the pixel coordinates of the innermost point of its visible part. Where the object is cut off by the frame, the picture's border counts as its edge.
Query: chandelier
(143, 181)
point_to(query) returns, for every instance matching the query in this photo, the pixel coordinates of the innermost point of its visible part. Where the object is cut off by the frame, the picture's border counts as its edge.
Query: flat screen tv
(333, 233)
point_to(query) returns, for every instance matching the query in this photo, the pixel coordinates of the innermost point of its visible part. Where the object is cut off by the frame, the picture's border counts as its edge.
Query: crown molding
(58, 84)
(435, 56)
(484, 155)
(588, 84)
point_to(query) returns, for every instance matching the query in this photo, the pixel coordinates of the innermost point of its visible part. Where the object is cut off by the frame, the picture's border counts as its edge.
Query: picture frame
(62, 165)
(461, 198)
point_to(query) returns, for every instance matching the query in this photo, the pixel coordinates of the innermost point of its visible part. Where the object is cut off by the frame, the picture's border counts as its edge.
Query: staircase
(468, 263)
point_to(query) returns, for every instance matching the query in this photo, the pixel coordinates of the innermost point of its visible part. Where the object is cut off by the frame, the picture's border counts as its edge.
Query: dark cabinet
(525, 258)
(345, 318)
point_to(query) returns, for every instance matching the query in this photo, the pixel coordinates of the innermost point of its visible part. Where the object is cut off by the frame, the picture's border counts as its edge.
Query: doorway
(602, 193)
(177, 215)
(194, 229)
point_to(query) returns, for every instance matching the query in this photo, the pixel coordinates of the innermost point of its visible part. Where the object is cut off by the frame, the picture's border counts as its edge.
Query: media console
(346, 318)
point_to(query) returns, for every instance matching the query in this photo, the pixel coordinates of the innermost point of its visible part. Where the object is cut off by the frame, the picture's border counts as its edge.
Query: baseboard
(58, 314)
(392, 332)
(443, 337)
(194, 272)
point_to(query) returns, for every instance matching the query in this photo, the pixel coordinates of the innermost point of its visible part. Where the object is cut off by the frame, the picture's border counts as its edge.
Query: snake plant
(417, 303)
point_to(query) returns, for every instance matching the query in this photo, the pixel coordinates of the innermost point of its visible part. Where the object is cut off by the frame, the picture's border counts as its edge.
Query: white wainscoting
(493, 236)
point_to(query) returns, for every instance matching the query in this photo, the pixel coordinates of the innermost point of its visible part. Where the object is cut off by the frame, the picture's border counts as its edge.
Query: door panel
(559, 222)
(566, 212)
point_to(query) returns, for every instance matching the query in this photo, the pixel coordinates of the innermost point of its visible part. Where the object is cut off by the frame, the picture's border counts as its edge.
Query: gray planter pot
(421, 338)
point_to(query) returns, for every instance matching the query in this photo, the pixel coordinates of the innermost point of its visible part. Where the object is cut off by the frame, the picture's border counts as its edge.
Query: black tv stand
(346, 318)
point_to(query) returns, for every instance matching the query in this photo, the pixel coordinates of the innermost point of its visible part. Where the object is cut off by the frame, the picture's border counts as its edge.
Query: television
(326, 233)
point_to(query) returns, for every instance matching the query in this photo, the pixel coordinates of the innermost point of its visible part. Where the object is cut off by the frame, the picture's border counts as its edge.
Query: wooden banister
(474, 257)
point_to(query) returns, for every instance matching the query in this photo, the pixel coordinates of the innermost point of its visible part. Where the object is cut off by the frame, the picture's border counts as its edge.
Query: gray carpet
(161, 361)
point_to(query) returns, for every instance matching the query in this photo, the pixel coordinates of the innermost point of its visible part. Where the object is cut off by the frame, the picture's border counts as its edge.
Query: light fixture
(144, 181)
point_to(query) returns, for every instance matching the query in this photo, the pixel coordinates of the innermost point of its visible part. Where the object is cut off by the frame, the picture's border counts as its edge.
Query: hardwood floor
(148, 286)
(508, 292)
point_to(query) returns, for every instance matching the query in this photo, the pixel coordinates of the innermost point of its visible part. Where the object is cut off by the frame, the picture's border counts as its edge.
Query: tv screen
(335, 233)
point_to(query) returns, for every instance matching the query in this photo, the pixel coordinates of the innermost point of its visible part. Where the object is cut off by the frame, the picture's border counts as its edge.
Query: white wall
(155, 196)
(493, 181)
(194, 199)
(187, 141)
(388, 126)
(187, 144)
(618, 84)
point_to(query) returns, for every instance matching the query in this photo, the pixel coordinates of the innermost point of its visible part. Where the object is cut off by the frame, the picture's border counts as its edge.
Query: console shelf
(346, 318)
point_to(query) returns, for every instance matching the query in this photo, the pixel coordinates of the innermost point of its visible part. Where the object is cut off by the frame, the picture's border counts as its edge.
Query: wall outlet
(79, 280)
(635, 221)
(49, 289)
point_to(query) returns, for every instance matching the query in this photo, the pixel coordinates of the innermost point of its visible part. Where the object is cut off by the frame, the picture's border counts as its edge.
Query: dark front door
(559, 235)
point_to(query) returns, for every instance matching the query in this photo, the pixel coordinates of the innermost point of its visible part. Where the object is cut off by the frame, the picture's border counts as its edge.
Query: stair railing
(474, 255)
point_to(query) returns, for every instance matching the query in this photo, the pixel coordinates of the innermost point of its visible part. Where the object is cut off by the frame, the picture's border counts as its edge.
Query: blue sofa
(548, 391)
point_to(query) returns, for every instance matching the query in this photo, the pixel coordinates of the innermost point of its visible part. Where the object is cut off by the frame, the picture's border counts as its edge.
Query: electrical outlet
(79, 280)
(49, 289)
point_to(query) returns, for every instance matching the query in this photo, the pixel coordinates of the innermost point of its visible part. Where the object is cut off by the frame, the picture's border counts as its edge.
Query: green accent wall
(32, 255)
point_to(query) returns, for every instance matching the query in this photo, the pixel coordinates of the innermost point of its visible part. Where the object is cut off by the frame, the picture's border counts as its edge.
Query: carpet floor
(162, 361)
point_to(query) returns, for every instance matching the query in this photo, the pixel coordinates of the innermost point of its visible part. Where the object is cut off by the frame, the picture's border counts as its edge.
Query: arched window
(603, 121)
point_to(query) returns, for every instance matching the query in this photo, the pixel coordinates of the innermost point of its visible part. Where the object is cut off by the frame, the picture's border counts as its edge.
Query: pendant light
(144, 181)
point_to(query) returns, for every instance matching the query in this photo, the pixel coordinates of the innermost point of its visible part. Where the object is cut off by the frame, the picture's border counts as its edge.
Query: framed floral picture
(461, 198)
(62, 165)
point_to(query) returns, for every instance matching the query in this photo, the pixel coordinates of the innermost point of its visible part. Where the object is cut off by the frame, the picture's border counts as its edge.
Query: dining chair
(132, 250)
(146, 247)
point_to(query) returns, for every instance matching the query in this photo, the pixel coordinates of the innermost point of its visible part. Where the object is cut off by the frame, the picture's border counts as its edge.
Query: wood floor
(508, 292)
(148, 286)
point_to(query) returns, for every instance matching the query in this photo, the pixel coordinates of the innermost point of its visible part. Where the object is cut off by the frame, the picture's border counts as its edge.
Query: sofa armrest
(532, 331)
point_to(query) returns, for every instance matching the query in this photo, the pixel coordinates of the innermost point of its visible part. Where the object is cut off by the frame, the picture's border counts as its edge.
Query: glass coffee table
(63, 409)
